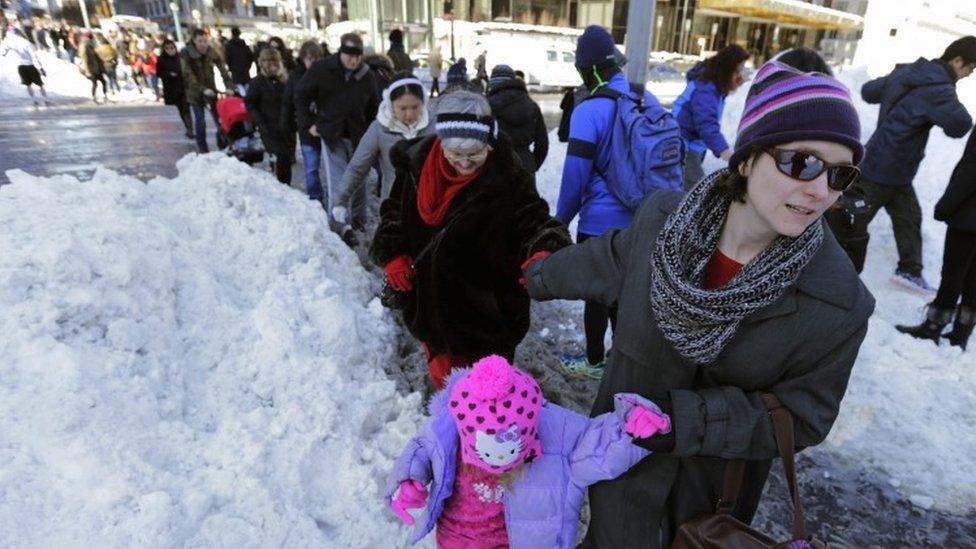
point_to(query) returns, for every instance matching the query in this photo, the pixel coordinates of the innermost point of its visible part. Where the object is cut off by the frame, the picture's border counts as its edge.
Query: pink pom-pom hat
(496, 410)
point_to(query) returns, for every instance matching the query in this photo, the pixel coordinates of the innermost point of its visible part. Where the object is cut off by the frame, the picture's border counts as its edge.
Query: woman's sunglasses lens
(839, 178)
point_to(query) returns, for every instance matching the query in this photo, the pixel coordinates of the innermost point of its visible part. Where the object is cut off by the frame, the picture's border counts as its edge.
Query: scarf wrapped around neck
(698, 322)
(439, 184)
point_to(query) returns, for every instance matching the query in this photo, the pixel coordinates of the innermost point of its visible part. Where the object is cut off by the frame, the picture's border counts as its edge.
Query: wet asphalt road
(72, 138)
(142, 140)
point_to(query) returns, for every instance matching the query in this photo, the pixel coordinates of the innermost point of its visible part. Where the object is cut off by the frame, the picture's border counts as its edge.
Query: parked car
(664, 81)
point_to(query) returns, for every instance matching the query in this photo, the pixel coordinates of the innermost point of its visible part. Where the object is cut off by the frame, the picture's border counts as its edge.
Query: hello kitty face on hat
(502, 448)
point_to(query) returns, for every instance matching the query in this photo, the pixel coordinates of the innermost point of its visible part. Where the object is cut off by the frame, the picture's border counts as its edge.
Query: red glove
(399, 273)
(541, 254)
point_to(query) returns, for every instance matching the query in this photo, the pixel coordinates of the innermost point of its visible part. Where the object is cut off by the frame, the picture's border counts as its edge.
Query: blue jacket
(583, 191)
(699, 112)
(927, 93)
(542, 507)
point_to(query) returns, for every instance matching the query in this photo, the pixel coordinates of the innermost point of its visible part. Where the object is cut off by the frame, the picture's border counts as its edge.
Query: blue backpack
(644, 150)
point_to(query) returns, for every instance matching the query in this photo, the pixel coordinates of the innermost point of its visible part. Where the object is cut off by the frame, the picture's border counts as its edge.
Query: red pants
(441, 366)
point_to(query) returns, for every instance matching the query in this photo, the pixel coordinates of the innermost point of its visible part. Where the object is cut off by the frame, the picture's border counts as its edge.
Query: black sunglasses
(806, 166)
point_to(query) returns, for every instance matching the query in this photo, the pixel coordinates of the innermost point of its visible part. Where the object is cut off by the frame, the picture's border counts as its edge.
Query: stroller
(237, 132)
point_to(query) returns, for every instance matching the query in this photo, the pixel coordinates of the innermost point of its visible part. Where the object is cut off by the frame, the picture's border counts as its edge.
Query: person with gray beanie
(728, 296)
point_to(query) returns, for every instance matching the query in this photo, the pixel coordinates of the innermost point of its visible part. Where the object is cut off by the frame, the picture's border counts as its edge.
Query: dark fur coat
(467, 299)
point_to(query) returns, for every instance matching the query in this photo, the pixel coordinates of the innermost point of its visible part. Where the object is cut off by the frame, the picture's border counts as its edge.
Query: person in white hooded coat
(402, 115)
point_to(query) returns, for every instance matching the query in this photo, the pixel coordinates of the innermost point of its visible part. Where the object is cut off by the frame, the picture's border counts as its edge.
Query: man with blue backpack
(621, 147)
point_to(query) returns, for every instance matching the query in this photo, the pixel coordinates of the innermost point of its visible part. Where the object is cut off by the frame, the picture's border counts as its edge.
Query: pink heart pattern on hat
(496, 409)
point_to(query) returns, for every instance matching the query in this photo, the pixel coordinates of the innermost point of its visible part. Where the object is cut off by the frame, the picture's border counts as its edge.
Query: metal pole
(453, 59)
(640, 27)
(429, 16)
(175, 9)
(84, 13)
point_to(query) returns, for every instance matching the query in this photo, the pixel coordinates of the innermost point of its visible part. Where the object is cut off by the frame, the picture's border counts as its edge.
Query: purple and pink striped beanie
(785, 105)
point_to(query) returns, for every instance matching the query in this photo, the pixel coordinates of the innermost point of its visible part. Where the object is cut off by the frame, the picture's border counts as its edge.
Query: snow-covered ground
(200, 362)
(189, 362)
(63, 82)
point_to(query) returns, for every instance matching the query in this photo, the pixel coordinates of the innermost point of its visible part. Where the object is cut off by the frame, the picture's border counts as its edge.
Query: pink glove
(411, 495)
(645, 423)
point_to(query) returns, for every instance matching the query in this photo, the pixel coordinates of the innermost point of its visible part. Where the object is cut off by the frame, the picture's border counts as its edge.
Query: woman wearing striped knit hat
(462, 218)
(730, 291)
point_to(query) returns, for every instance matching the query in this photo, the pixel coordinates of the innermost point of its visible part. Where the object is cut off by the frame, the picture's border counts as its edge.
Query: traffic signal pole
(640, 18)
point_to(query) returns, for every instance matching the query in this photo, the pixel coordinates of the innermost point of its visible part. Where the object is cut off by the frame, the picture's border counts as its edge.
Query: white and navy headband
(466, 125)
(399, 84)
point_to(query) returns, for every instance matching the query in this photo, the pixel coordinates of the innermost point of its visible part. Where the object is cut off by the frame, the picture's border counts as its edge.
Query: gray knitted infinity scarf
(697, 322)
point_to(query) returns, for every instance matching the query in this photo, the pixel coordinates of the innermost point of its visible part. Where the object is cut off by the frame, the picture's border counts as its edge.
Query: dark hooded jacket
(289, 123)
(264, 100)
(913, 98)
(957, 207)
(398, 55)
(467, 299)
(239, 60)
(520, 117)
(343, 106)
(171, 73)
(801, 348)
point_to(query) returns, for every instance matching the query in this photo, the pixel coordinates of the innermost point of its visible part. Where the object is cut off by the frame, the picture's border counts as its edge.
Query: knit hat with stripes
(785, 105)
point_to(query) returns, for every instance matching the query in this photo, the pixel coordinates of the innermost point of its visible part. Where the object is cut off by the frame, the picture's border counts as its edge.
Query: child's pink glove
(645, 423)
(411, 495)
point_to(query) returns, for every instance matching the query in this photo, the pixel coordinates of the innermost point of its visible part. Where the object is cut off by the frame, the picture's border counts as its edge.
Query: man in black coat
(913, 98)
(518, 116)
(311, 146)
(239, 57)
(398, 53)
(957, 208)
(343, 90)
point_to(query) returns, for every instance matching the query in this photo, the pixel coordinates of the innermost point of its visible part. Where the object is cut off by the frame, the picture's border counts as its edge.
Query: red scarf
(439, 183)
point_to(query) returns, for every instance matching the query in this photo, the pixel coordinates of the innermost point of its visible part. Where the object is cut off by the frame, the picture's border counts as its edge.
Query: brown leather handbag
(722, 530)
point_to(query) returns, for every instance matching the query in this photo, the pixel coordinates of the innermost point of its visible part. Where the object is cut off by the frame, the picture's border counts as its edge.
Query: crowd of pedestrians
(729, 295)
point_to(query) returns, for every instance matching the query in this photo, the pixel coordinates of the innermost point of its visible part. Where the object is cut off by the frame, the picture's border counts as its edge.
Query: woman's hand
(541, 254)
(410, 495)
(400, 273)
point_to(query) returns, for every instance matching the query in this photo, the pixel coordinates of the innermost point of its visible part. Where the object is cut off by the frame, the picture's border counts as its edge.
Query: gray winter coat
(801, 348)
(376, 143)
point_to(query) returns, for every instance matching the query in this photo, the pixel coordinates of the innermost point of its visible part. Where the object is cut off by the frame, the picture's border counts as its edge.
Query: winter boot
(962, 326)
(935, 321)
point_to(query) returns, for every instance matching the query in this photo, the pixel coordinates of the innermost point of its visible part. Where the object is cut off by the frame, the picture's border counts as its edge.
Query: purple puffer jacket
(542, 507)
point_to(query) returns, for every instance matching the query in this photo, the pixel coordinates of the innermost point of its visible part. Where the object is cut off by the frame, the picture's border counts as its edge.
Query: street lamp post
(175, 8)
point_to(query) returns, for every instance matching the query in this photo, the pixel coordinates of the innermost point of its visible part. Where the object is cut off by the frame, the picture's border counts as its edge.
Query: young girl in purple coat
(505, 467)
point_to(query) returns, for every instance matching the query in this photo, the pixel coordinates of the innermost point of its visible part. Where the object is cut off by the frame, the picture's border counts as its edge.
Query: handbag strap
(735, 468)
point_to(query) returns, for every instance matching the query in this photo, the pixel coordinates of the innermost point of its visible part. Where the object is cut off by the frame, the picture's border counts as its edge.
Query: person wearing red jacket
(461, 220)
(149, 60)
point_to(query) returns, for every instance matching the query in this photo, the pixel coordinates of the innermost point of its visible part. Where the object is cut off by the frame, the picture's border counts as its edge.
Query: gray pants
(692, 171)
(336, 161)
(906, 220)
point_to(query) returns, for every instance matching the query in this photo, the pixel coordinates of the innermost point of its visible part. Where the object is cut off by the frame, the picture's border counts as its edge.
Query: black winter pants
(282, 167)
(958, 270)
(906, 219)
(595, 317)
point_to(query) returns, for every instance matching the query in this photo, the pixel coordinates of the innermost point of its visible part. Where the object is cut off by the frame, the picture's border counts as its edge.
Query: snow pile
(63, 80)
(189, 362)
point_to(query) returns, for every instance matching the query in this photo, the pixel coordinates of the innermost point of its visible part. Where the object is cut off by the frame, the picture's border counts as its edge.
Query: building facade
(695, 27)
